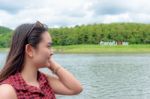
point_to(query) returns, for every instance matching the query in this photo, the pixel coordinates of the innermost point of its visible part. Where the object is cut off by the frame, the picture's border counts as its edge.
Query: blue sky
(56, 13)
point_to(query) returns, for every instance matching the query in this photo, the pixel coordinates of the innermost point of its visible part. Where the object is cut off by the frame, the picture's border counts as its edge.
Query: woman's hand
(54, 66)
(65, 83)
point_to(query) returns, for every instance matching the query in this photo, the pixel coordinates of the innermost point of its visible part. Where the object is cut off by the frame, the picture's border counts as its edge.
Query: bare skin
(63, 83)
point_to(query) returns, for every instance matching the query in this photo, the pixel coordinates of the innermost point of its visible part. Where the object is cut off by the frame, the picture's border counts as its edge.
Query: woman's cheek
(47, 62)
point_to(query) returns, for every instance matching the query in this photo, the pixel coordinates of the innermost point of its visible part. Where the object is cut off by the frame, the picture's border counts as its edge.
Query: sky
(58, 13)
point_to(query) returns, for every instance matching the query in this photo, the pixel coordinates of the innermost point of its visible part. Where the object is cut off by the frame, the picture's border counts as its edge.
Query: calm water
(107, 76)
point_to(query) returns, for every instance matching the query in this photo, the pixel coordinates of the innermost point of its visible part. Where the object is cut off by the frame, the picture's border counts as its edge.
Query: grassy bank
(102, 49)
(99, 49)
(4, 49)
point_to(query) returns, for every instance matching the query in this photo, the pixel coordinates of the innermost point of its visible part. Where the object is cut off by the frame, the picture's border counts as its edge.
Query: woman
(20, 77)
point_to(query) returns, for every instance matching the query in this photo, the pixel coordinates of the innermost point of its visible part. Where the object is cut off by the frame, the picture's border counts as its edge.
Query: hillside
(4, 30)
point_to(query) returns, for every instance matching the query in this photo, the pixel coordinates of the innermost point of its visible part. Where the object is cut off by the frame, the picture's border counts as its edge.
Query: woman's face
(43, 52)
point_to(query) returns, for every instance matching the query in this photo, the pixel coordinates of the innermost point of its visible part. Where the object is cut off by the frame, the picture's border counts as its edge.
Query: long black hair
(24, 34)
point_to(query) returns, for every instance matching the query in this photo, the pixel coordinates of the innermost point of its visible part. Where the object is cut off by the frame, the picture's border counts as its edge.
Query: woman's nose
(51, 52)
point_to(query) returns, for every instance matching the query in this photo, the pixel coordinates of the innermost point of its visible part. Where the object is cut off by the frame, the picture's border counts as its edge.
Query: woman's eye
(49, 45)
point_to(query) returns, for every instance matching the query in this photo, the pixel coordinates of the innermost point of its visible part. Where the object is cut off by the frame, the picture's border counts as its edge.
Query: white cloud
(73, 12)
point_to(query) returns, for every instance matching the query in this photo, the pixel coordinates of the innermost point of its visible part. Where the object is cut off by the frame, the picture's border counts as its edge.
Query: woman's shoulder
(7, 92)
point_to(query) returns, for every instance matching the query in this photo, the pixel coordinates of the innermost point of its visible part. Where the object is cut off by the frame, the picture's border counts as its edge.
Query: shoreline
(97, 49)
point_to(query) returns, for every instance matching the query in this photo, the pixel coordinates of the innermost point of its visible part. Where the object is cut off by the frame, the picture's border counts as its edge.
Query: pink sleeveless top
(25, 91)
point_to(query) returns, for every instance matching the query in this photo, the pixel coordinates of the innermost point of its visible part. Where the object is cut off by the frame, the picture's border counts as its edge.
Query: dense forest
(5, 36)
(134, 33)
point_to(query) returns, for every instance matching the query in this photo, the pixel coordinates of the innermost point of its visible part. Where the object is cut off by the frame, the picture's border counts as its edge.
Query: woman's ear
(29, 50)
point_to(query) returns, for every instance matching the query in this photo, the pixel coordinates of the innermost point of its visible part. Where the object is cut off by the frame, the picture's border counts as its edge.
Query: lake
(106, 76)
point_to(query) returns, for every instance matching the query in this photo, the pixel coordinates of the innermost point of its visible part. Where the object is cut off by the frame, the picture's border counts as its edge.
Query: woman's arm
(65, 83)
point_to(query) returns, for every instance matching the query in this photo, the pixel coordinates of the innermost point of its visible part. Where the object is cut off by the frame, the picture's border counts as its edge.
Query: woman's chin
(46, 65)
